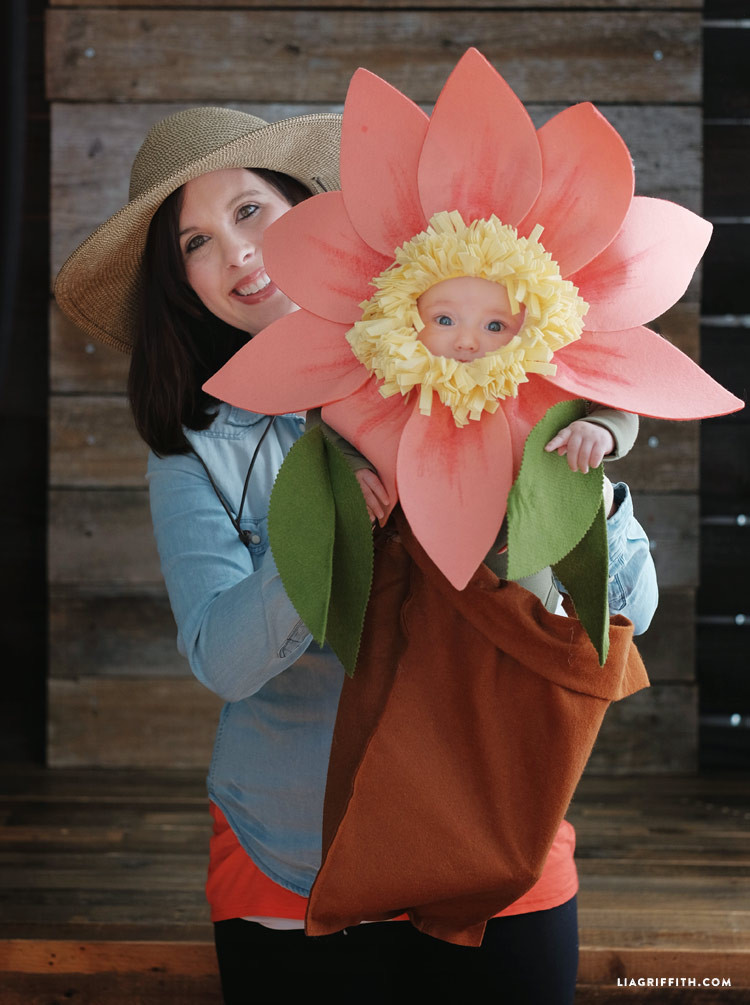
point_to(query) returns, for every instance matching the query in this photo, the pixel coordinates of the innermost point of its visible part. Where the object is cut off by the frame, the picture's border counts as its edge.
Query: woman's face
(223, 218)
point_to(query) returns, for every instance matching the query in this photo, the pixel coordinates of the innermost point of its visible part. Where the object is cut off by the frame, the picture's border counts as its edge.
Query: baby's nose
(466, 338)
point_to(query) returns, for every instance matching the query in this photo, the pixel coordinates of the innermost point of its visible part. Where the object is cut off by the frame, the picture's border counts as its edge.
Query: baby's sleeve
(622, 425)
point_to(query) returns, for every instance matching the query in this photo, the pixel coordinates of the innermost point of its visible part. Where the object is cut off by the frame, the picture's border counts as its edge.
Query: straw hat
(99, 284)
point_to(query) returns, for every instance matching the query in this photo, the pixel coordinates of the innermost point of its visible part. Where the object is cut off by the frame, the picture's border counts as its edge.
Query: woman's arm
(632, 576)
(235, 623)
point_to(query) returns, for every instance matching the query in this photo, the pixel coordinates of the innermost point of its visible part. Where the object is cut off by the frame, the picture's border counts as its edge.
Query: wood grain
(671, 523)
(203, 55)
(663, 864)
(668, 647)
(113, 635)
(80, 363)
(651, 731)
(93, 442)
(97, 634)
(93, 146)
(102, 539)
(93, 445)
(137, 723)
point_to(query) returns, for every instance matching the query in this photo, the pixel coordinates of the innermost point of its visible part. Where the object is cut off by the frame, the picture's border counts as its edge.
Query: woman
(177, 278)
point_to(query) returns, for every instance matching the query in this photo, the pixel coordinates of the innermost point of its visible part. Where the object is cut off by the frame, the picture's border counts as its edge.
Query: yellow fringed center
(387, 342)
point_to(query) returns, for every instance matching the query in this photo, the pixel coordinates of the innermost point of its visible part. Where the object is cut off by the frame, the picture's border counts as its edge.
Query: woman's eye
(495, 326)
(443, 319)
(246, 211)
(194, 243)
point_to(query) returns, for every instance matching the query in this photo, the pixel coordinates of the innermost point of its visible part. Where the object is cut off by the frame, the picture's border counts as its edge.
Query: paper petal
(298, 362)
(314, 254)
(301, 526)
(352, 561)
(647, 267)
(584, 573)
(587, 187)
(481, 154)
(374, 425)
(381, 140)
(639, 371)
(453, 484)
(550, 507)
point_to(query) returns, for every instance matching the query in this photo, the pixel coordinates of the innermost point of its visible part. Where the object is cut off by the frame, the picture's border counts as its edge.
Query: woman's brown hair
(178, 343)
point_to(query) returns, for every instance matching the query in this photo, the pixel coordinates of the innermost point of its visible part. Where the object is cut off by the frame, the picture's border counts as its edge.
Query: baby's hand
(585, 443)
(374, 492)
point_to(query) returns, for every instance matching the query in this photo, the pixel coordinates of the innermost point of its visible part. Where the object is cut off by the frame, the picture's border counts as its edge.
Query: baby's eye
(495, 326)
(195, 242)
(247, 211)
(444, 319)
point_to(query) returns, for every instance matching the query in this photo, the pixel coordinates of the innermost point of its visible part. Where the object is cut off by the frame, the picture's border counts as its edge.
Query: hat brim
(98, 287)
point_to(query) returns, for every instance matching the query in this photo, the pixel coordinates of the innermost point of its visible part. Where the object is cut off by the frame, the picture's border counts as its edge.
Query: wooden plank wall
(723, 600)
(118, 692)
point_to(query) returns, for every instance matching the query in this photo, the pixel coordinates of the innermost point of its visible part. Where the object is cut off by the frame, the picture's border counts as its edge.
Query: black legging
(525, 959)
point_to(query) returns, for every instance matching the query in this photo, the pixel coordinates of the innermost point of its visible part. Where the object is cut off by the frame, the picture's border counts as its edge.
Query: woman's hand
(374, 492)
(586, 444)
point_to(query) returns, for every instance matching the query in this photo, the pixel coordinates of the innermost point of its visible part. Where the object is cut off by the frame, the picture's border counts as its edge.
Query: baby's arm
(376, 497)
(605, 432)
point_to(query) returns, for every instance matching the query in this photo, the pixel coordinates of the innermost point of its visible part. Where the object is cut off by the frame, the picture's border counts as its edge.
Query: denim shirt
(245, 641)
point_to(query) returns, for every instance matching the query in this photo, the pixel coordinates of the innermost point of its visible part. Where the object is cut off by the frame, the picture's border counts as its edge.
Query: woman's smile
(223, 218)
(252, 285)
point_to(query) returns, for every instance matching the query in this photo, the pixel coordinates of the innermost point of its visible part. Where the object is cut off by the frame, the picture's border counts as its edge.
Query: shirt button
(255, 539)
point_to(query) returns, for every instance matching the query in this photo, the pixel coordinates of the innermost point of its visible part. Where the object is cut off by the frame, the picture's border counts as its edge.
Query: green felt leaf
(301, 527)
(584, 572)
(550, 507)
(352, 561)
(321, 538)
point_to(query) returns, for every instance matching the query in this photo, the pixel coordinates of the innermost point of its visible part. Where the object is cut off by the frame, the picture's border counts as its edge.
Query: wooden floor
(101, 888)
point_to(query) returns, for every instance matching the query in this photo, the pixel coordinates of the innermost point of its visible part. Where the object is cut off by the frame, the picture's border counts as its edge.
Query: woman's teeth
(260, 284)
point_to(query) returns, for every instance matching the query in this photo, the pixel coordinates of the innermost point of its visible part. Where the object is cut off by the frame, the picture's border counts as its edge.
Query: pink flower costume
(460, 740)
(473, 190)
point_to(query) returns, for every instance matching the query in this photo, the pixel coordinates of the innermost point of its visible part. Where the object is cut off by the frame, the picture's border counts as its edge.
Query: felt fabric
(321, 539)
(584, 574)
(550, 507)
(575, 534)
(457, 746)
(628, 257)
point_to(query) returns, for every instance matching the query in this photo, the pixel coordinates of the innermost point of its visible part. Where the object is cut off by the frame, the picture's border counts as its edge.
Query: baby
(467, 317)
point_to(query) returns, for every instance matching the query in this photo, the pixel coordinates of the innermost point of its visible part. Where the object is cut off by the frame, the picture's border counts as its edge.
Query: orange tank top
(236, 888)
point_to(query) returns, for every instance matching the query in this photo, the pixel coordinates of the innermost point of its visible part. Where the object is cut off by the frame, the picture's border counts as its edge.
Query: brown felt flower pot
(457, 748)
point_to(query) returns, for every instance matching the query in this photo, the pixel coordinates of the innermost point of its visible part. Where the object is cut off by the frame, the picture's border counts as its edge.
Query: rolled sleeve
(235, 623)
(633, 590)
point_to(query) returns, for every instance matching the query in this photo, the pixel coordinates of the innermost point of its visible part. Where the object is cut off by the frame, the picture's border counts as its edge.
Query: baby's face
(465, 318)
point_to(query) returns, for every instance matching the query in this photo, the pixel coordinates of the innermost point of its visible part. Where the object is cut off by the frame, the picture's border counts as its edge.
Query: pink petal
(373, 424)
(381, 140)
(481, 154)
(523, 412)
(646, 268)
(587, 187)
(454, 486)
(639, 371)
(298, 362)
(317, 258)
